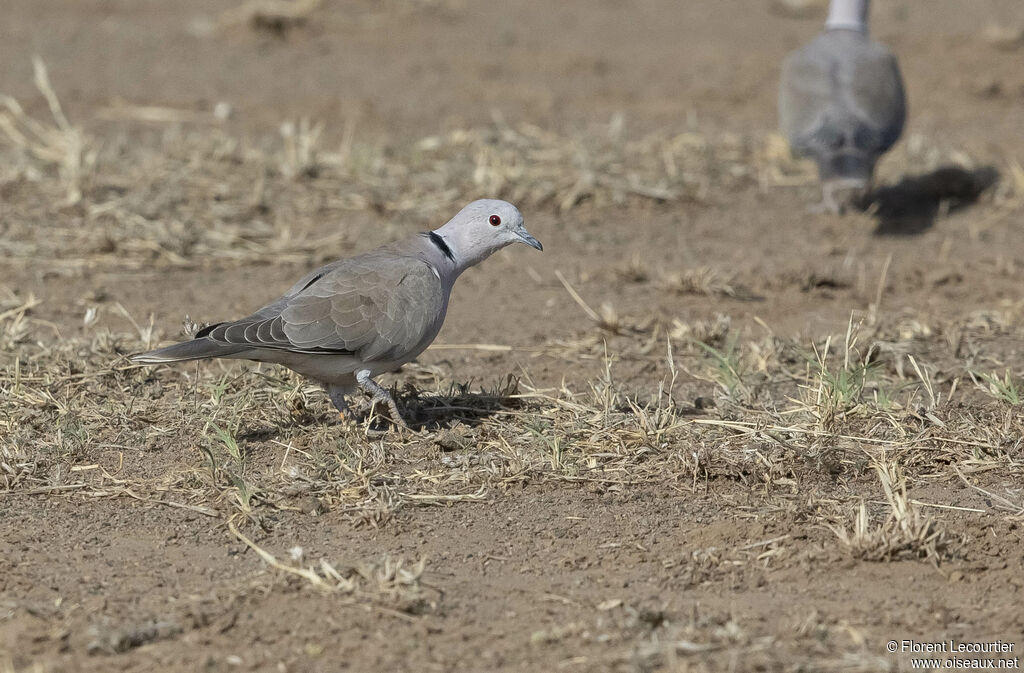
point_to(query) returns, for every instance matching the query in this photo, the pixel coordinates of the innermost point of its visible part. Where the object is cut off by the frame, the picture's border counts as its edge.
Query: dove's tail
(196, 349)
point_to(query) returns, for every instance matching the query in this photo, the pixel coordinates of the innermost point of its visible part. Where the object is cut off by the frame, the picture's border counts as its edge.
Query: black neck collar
(441, 245)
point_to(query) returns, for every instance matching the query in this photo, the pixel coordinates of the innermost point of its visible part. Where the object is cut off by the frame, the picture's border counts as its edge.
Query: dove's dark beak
(529, 240)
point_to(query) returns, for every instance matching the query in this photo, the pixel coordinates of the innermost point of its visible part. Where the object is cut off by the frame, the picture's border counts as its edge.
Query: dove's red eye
(495, 220)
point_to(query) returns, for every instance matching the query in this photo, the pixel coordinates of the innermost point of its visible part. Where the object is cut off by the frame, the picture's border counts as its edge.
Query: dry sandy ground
(671, 484)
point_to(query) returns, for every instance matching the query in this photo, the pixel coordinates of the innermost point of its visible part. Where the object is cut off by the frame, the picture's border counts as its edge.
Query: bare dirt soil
(705, 430)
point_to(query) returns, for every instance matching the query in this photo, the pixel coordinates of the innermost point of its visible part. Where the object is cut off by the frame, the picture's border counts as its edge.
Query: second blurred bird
(841, 103)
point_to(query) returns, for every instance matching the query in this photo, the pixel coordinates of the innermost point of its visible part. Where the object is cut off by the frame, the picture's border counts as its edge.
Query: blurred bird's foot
(826, 207)
(829, 204)
(840, 194)
(378, 394)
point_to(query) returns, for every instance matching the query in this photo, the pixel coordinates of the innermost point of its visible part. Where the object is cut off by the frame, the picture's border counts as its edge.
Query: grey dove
(841, 102)
(355, 318)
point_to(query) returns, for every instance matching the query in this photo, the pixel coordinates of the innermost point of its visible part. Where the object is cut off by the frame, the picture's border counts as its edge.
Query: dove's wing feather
(275, 307)
(375, 306)
(804, 93)
(876, 91)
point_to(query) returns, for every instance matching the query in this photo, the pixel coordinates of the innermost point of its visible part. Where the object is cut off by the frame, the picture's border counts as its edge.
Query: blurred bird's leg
(829, 203)
(381, 394)
(842, 192)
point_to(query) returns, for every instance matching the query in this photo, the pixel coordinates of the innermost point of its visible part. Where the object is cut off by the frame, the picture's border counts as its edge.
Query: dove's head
(482, 228)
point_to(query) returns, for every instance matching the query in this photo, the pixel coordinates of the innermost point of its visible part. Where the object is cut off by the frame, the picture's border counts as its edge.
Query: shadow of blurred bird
(841, 103)
(349, 321)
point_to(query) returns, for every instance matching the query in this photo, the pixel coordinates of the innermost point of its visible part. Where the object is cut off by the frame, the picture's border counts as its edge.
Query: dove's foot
(338, 399)
(379, 394)
(837, 196)
(828, 205)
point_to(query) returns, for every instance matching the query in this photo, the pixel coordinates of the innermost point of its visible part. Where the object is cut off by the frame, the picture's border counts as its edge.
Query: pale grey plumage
(841, 101)
(355, 318)
(377, 305)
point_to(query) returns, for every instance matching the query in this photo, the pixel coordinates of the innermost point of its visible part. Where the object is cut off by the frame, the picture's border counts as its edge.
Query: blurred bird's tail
(196, 349)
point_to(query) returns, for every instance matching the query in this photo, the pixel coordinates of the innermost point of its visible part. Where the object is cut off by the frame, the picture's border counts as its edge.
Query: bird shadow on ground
(459, 406)
(432, 414)
(911, 206)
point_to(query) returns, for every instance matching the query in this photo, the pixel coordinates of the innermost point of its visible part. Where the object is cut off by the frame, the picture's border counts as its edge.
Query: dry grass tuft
(1006, 389)
(391, 584)
(301, 142)
(701, 281)
(58, 144)
(607, 318)
(906, 533)
(837, 390)
(15, 466)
